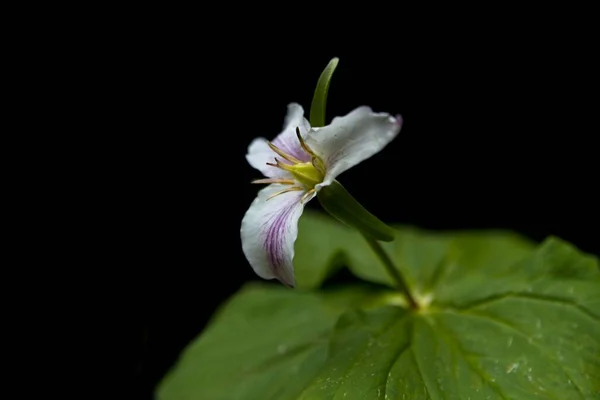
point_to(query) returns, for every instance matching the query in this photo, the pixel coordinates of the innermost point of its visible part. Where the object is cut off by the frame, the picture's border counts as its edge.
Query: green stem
(392, 270)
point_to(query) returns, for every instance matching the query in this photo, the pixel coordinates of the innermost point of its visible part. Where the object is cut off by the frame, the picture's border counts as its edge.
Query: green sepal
(319, 102)
(336, 200)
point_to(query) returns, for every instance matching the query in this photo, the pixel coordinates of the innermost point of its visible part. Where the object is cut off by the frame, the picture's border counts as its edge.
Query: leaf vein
(454, 342)
(531, 296)
(543, 349)
(353, 365)
(394, 360)
(419, 368)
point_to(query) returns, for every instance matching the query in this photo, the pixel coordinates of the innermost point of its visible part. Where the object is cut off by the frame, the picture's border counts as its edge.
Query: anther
(292, 189)
(303, 144)
(275, 180)
(283, 154)
(280, 165)
(307, 195)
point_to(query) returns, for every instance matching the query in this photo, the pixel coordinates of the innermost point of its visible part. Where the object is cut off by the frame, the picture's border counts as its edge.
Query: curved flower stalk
(297, 164)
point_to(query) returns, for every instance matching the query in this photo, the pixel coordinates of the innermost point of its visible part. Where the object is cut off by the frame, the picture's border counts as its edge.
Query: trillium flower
(296, 165)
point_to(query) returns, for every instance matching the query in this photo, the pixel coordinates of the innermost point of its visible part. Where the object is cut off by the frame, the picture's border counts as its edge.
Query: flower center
(306, 174)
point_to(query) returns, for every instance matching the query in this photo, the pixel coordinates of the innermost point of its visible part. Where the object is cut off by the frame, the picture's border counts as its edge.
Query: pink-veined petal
(287, 140)
(269, 230)
(259, 152)
(351, 139)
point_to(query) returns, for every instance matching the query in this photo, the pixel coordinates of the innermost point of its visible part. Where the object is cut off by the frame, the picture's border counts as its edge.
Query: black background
(498, 133)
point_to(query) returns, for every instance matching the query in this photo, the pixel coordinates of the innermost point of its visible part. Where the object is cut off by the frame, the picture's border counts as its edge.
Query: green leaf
(501, 318)
(319, 249)
(324, 244)
(319, 102)
(267, 342)
(498, 350)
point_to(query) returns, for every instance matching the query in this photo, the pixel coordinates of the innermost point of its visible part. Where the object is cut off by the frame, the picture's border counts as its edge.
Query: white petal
(269, 230)
(287, 140)
(259, 152)
(351, 139)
